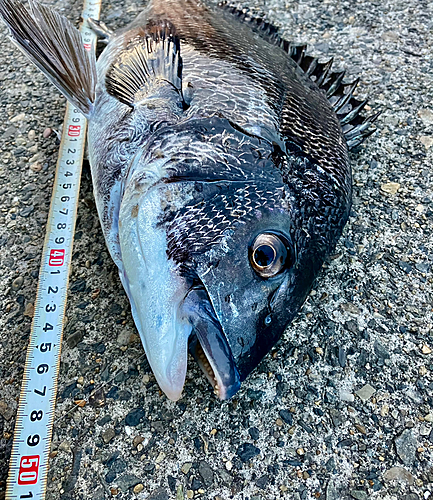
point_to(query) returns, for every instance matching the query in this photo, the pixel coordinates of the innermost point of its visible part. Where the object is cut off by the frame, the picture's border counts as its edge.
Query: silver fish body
(219, 157)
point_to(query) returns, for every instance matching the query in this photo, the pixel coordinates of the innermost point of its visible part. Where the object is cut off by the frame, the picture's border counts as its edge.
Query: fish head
(219, 254)
(260, 272)
(257, 276)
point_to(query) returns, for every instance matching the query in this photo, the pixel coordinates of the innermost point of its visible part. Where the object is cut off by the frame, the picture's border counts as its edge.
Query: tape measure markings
(35, 416)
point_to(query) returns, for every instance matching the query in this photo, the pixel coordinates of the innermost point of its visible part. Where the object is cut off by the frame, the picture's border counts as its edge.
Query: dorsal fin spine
(340, 94)
(336, 84)
(350, 116)
(324, 71)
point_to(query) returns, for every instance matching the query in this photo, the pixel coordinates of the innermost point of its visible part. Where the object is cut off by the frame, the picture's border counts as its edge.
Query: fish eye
(269, 255)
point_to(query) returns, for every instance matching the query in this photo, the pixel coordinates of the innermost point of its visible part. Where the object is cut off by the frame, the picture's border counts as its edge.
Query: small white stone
(138, 488)
(347, 396)
(18, 118)
(384, 410)
(426, 141)
(424, 430)
(365, 392)
(426, 116)
(64, 446)
(77, 417)
(422, 370)
(186, 467)
(398, 473)
(390, 187)
(426, 349)
(36, 167)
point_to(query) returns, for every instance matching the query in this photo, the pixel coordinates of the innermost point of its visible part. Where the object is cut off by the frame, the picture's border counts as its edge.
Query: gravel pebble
(359, 494)
(46, 133)
(127, 481)
(206, 473)
(390, 187)
(159, 494)
(17, 283)
(347, 396)
(247, 451)
(108, 435)
(285, 415)
(426, 141)
(65, 446)
(5, 411)
(426, 116)
(186, 467)
(399, 473)
(138, 488)
(134, 417)
(426, 349)
(406, 447)
(365, 392)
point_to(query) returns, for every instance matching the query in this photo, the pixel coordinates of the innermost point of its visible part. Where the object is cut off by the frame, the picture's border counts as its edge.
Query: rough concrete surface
(343, 406)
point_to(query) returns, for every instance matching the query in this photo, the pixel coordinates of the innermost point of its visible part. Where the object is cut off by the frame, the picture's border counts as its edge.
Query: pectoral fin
(150, 68)
(55, 46)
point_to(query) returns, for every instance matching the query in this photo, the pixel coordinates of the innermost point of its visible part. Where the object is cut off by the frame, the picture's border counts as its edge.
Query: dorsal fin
(355, 126)
(151, 60)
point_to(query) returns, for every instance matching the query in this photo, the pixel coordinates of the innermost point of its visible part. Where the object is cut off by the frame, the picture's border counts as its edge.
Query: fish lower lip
(215, 364)
(209, 346)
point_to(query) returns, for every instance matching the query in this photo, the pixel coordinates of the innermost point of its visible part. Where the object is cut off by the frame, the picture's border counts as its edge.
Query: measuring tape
(34, 424)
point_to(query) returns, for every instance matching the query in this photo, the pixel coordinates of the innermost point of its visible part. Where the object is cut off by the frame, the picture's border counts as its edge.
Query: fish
(219, 154)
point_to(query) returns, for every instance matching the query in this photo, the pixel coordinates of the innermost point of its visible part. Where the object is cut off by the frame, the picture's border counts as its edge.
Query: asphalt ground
(343, 406)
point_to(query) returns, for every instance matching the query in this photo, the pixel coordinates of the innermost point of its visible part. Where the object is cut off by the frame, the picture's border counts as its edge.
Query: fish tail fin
(55, 46)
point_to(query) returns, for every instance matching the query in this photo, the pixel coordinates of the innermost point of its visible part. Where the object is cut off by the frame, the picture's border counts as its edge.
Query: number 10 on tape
(33, 429)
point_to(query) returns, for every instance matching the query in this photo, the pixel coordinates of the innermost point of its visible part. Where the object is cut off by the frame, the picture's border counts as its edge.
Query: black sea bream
(219, 156)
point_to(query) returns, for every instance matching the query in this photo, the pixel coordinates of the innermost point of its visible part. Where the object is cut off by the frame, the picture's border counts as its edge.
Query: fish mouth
(208, 345)
(190, 325)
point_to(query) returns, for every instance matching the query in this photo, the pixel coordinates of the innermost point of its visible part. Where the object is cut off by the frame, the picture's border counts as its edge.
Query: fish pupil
(264, 255)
